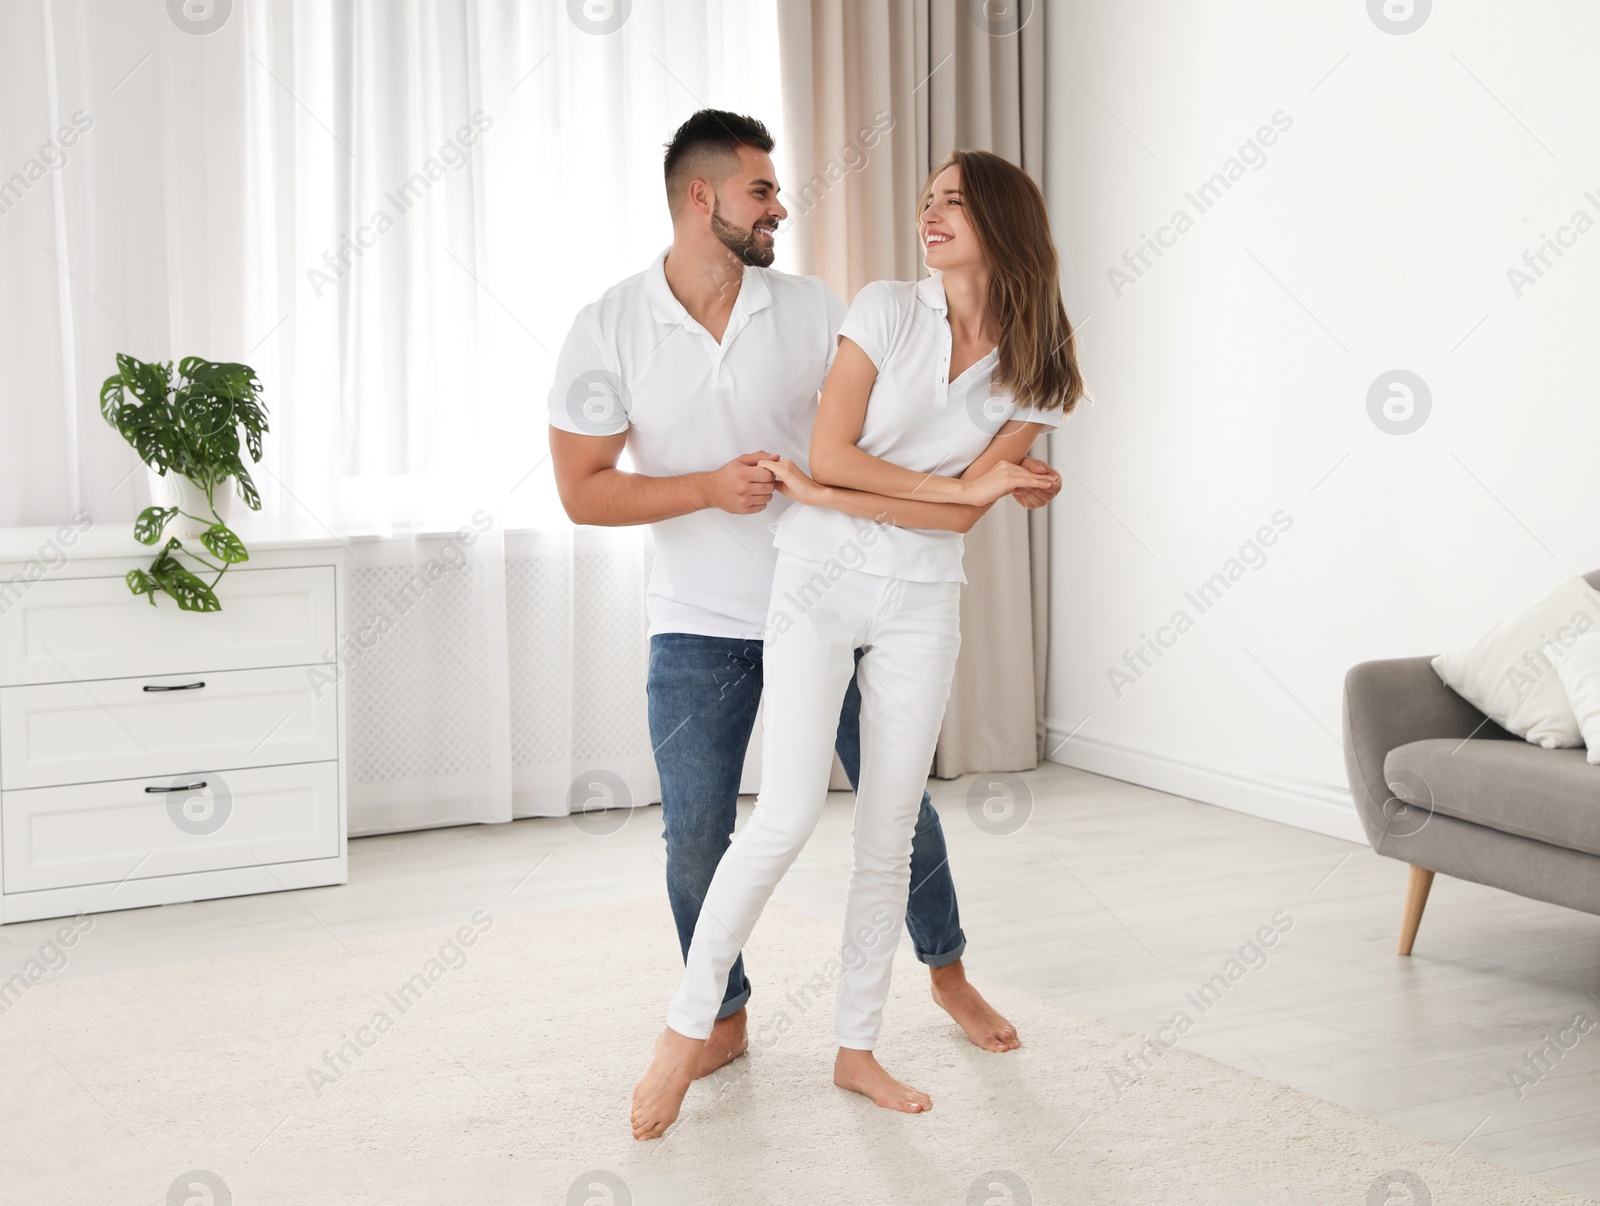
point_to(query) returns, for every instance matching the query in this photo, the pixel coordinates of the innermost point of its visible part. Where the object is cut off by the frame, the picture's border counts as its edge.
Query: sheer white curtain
(392, 210)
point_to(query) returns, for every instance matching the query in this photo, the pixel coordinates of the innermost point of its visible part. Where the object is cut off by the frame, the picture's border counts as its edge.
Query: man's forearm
(613, 498)
(903, 513)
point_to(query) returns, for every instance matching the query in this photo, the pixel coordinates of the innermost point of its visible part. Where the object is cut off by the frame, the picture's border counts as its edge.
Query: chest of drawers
(150, 755)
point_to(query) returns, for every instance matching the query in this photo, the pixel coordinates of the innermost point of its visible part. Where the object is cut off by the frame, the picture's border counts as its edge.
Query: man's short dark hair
(706, 147)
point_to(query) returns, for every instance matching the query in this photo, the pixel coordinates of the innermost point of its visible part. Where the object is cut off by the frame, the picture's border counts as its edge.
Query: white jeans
(819, 616)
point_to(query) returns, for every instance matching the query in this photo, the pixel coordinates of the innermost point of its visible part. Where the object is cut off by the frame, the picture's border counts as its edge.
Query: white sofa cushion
(1580, 675)
(1509, 673)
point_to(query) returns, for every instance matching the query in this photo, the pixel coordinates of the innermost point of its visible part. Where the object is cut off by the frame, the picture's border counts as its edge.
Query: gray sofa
(1440, 786)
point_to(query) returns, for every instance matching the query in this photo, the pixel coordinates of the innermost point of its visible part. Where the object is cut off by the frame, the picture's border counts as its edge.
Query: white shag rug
(503, 1075)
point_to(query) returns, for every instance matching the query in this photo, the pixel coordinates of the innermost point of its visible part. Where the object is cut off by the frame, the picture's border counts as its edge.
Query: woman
(936, 393)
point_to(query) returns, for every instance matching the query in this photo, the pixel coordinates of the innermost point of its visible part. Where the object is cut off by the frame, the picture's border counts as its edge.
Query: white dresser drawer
(120, 728)
(86, 628)
(97, 833)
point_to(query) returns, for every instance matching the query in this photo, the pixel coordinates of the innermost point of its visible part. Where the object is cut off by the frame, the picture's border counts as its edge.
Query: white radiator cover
(515, 675)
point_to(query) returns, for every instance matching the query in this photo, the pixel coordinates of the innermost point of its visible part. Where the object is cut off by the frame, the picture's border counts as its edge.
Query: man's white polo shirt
(635, 361)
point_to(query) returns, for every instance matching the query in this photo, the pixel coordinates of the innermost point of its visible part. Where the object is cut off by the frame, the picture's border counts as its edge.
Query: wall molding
(1305, 805)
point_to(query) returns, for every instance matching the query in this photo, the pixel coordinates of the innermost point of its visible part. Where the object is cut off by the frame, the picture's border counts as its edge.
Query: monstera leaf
(141, 583)
(220, 542)
(147, 528)
(188, 591)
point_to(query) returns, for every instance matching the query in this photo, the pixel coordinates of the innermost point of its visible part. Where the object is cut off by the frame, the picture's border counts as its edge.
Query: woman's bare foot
(729, 1040)
(983, 1025)
(659, 1094)
(860, 1072)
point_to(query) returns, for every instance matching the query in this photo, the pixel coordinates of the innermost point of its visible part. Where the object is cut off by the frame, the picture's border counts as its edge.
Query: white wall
(1232, 378)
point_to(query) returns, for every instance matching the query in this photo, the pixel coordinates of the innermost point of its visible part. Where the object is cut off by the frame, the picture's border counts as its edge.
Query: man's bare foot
(659, 1094)
(729, 1040)
(985, 1027)
(860, 1072)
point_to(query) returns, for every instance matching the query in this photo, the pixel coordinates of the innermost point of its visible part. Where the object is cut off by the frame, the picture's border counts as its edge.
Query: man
(701, 366)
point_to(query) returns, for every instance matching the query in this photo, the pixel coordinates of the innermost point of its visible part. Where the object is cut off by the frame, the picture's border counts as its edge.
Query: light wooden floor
(1113, 900)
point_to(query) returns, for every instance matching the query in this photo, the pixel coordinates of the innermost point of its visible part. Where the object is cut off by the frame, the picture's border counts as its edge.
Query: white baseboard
(1310, 806)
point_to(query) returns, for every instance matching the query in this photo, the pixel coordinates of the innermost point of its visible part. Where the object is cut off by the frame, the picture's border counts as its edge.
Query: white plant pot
(172, 489)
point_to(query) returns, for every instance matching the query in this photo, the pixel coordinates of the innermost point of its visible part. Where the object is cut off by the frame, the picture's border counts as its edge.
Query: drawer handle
(174, 687)
(188, 787)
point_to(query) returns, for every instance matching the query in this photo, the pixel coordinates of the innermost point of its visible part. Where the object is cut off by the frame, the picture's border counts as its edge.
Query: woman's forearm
(902, 513)
(848, 467)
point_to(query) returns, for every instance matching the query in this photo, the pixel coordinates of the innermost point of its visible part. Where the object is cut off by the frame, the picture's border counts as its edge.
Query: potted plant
(188, 434)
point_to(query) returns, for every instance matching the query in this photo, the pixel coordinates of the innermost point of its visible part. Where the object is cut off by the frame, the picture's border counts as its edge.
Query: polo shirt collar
(754, 292)
(663, 304)
(930, 291)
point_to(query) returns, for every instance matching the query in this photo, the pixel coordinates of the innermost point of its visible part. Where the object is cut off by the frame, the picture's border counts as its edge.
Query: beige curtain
(874, 95)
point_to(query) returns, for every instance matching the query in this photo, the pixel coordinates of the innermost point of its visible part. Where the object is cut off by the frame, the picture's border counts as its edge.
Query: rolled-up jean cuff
(947, 958)
(731, 1007)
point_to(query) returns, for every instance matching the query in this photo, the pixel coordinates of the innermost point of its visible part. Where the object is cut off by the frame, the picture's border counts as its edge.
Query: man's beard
(743, 243)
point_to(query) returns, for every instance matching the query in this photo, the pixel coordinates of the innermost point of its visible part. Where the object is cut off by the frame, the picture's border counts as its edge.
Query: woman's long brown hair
(1038, 347)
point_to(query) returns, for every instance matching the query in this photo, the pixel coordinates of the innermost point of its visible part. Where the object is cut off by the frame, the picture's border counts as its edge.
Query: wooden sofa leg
(1416, 900)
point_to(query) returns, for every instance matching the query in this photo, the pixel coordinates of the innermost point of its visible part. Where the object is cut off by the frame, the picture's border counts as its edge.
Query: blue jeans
(703, 694)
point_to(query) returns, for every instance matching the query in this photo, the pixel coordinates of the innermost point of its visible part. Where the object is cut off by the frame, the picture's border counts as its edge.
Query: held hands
(1000, 481)
(1046, 484)
(792, 481)
(743, 486)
